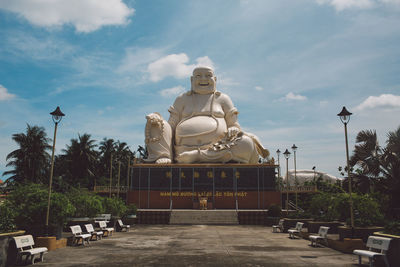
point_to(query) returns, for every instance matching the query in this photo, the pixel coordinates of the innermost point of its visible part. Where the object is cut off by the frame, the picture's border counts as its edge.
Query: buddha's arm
(175, 112)
(231, 113)
(173, 118)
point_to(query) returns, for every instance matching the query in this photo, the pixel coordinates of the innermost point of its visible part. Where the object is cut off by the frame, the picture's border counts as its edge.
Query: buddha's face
(203, 81)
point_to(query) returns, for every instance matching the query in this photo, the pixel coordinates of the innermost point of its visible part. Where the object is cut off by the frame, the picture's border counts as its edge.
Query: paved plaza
(198, 245)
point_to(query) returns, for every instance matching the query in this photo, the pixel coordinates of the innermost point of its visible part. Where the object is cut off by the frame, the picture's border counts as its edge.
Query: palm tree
(390, 167)
(107, 148)
(30, 160)
(123, 154)
(81, 158)
(366, 156)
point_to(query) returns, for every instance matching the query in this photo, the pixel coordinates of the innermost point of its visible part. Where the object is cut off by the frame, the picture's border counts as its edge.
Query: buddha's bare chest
(202, 105)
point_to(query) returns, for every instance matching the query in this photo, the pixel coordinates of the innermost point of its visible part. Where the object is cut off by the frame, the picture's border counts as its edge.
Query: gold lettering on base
(203, 194)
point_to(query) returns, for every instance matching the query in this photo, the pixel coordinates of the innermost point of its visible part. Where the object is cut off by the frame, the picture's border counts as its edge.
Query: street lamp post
(294, 148)
(278, 152)
(315, 184)
(344, 116)
(56, 116)
(287, 155)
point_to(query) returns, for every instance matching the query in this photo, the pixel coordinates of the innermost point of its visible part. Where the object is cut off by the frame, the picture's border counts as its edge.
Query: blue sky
(289, 67)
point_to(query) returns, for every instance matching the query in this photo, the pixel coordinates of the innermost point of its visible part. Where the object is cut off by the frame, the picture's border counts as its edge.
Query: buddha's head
(203, 80)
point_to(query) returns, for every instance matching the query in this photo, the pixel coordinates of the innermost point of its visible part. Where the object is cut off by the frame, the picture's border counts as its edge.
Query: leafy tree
(7, 218)
(30, 160)
(29, 201)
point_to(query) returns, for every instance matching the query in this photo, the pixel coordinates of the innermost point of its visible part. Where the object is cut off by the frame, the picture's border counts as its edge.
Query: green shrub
(274, 211)
(328, 207)
(299, 215)
(392, 228)
(323, 207)
(7, 218)
(367, 211)
(131, 209)
(86, 203)
(114, 206)
(29, 202)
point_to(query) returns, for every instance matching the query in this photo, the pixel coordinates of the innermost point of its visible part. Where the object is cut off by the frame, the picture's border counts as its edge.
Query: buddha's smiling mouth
(204, 84)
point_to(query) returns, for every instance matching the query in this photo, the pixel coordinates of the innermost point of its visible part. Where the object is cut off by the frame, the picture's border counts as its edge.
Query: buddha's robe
(200, 120)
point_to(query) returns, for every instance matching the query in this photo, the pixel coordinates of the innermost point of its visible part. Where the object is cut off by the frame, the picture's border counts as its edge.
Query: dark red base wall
(222, 200)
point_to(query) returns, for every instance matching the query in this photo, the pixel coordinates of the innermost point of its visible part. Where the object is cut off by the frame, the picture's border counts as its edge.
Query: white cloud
(172, 91)
(23, 46)
(291, 96)
(340, 5)
(384, 100)
(4, 95)
(323, 103)
(205, 62)
(175, 65)
(137, 58)
(345, 4)
(258, 88)
(85, 15)
(393, 2)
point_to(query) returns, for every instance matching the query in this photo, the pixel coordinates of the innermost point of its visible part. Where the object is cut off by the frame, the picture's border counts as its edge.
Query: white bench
(322, 233)
(123, 226)
(279, 226)
(296, 230)
(103, 227)
(78, 235)
(375, 244)
(102, 217)
(25, 245)
(90, 230)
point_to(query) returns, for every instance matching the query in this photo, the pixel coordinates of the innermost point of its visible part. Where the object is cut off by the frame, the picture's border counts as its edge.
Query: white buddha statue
(202, 127)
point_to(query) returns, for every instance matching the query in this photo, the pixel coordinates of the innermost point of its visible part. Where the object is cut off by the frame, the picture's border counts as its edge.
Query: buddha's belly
(200, 130)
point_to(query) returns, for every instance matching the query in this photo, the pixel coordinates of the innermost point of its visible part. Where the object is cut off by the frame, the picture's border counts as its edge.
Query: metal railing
(293, 206)
(113, 189)
(298, 189)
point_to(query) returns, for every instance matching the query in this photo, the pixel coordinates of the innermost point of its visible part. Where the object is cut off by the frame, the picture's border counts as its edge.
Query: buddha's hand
(233, 131)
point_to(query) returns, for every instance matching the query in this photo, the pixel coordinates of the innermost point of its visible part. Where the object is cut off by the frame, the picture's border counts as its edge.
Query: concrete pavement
(198, 245)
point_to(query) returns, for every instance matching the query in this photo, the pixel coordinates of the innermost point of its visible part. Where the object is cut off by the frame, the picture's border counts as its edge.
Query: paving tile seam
(225, 246)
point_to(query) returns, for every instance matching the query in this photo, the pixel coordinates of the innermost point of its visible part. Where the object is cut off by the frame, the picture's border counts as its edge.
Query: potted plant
(273, 215)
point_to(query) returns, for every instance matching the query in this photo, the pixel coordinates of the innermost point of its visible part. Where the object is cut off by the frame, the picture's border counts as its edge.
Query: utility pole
(119, 176)
(110, 174)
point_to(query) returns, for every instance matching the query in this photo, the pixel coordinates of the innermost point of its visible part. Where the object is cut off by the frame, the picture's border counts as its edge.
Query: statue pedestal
(226, 186)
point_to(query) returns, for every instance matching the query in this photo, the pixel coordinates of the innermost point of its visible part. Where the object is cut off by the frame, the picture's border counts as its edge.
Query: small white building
(308, 175)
